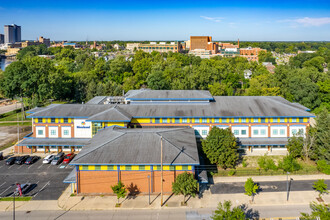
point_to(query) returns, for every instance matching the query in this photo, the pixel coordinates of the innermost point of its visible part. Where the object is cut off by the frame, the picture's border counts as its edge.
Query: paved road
(170, 214)
(9, 108)
(47, 179)
(274, 186)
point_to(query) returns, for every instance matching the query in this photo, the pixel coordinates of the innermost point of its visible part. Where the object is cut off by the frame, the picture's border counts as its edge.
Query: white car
(48, 159)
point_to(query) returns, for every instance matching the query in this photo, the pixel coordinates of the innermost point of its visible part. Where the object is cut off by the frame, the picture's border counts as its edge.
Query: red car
(68, 158)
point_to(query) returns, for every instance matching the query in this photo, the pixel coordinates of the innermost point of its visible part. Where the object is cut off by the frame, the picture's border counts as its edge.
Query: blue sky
(169, 20)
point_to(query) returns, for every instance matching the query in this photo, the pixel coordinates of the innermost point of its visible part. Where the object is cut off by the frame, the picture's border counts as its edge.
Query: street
(171, 214)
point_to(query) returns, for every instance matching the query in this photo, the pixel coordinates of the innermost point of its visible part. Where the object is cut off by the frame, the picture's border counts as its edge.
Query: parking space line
(1, 166)
(39, 166)
(10, 166)
(41, 189)
(20, 166)
(5, 190)
(2, 184)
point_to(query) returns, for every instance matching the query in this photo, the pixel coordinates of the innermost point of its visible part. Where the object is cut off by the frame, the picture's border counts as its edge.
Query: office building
(251, 54)
(161, 47)
(12, 33)
(2, 39)
(45, 41)
(132, 46)
(200, 42)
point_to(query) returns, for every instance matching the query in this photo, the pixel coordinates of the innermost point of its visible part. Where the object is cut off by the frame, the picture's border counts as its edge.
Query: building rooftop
(122, 146)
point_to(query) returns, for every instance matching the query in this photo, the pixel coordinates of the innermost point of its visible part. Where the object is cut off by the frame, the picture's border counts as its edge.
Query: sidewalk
(230, 179)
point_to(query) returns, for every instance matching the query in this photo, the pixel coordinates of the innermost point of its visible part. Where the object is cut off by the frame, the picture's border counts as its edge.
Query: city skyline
(108, 20)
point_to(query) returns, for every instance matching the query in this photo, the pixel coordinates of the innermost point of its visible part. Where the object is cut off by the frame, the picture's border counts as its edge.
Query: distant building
(306, 51)
(132, 46)
(200, 42)
(45, 41)
(12, 33)
(251, 54)
(162, 47)
(66, 44)
(2, 39)
(29, 43)
(118, 47)
(12, 51)
(270, 67)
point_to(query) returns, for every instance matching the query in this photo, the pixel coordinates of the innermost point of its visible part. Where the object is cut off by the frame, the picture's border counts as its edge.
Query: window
(164, 120)
(282, 120)
(177, 120)
(52, 120)
(263, 132)
(96, 127)
(294, 120)
(255, 132)
(263, 120)
(66, 147)
(301, 119)
(66, 120)
(236, 132)
(243, 132)
(243, 120)
(275, 132)
(52, 132)
(157, 120)
(184, 120)
(40, 132)
(204, 132)
(282, 131)
(40, 147)
(294, 131)
(216, 120)
(235, 120)
(66, 132)
(204, 120)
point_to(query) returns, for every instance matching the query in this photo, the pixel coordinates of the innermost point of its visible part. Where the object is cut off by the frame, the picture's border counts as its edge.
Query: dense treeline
(77, 75)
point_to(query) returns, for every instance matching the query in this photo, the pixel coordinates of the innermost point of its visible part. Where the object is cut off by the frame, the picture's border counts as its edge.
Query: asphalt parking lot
(47, 179)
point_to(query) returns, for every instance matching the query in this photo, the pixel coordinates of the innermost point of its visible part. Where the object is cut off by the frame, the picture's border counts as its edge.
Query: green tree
(318, 211)
(316, 62)
(224, 211)
(157, 81)
(250, 188)
(295, 146)
(120, 190)
(289, 164)
(185, 184)
(220, 147)
(266, 163)
(321, 149)
(321, 187)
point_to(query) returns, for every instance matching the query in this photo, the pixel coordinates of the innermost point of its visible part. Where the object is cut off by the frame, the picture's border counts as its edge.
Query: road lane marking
(2, 184)
(41, 189)
(5, 190)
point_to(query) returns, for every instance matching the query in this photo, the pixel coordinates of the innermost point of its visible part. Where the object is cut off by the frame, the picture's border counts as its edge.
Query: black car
(1, 156)
(22, 159)
(10, 161)
(31, 160)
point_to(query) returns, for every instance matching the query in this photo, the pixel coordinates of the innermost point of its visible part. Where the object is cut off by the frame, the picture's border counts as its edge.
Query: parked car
(68, 158)
(48, 159)
(58, 159)
(1, 156)
(24, 187)
(10, 160)
(22, 159)
(31, 160)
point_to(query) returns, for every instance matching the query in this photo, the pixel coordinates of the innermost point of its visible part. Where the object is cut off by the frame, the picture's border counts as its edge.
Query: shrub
(289, 164)
(231, 172)
(244, 163)
(321, 187)
(185, 184)
(267, 163)
(323, 167)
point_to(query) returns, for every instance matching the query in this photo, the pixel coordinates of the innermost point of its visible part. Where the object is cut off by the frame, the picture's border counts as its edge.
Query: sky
(82, 20)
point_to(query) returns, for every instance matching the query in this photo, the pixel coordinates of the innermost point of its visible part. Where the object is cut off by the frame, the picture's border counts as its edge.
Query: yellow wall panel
(135, 167)
(147, 167)
(305, 120)
(103, 167)
(62, 120)
(122, 167)
(91, 167)
(56, 120)
(178, 167)
(69, 120)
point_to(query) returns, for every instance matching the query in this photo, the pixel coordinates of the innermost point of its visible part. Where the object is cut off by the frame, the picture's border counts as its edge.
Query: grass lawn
(28, 198)
(15, 124)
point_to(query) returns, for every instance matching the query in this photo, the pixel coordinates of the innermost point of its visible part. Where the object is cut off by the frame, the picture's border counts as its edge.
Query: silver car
(48, 159)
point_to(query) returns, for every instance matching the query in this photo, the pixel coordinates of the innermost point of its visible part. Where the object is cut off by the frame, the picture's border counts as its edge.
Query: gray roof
(262, 141)
(113, 114)
(147, 94)
(97, 100)
(114, 145)
(54, 142)
(223, 106)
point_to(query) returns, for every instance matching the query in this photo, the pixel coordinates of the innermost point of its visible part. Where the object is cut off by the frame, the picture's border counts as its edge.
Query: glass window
(301, 131)
(40, 147)
(204, 120)
(275, 132)
(164, 120)
(66, 120)
(294, 131)
(243, 132)
(204, 132)
(66, 147)
(40, 132)
(282, 131)
(255, 132)
(216, 120)
(157, 120)
(184, 120)
(52, 132)
(66, 132)
(177, 120)
(294, 120)
(263, 131)
(235, 120)
(263, 120)
(243, 120)
(282, 120)
(53, 147)
(236, 132)
(52, 120)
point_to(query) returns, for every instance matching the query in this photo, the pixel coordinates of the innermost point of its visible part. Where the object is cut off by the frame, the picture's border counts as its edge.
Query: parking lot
(46, 179)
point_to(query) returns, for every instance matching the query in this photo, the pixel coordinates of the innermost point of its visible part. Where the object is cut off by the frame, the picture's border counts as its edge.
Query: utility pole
(287, 186)
(161, 170)
(14, 207)
(17, 129)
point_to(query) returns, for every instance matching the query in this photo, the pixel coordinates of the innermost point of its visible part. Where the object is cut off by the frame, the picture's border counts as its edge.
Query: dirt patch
(8, 134)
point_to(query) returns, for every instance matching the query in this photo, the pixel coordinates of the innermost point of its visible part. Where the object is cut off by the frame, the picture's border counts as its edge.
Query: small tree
(220, 147)
(321, 187)
(185, 184)
(120, 190)
(318, 211)
(250, 188)
(289, 164)
(224, 211)
(295, 146)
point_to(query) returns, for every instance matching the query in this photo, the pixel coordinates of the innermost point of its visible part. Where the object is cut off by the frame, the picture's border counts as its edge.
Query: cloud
(214, 19)
(307, 21)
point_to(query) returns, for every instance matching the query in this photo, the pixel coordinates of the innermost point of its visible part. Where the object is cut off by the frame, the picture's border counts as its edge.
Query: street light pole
(287, 186)
(14, 207)
(149, 187)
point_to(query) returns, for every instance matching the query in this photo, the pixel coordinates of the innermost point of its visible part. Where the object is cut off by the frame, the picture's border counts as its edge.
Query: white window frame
(259, 128)
(62, 132)
(50, 129)
(43, 128)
